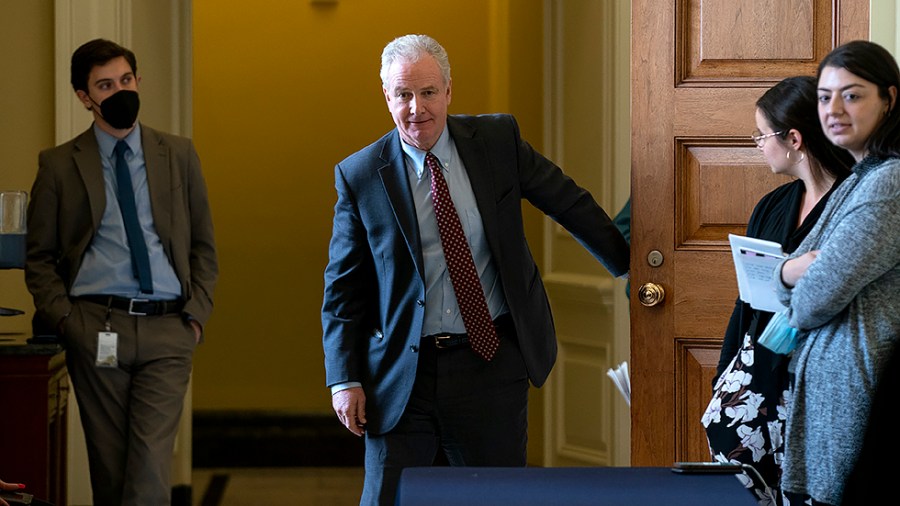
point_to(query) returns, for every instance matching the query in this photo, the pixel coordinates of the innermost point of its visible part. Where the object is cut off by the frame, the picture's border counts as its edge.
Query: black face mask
(120, 109)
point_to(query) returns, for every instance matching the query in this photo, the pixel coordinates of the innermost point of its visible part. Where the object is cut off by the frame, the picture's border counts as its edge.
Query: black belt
(444, 341)
(502, 323)
(137, 307)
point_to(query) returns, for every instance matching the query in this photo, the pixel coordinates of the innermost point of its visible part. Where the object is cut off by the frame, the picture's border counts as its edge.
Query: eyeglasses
(760, 138)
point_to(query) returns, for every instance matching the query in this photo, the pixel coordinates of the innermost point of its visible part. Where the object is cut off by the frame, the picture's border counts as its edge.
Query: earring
(791, 159)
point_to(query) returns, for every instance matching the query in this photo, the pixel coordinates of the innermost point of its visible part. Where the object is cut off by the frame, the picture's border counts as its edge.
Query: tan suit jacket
(67, 203)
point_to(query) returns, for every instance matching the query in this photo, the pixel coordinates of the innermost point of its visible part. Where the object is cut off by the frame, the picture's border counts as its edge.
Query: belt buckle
(131, 310)
(441, 341)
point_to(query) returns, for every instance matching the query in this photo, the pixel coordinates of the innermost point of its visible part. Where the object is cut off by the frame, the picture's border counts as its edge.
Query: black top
(774, 219)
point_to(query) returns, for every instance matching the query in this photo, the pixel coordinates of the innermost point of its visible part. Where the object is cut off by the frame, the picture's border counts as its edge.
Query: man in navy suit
(398, 358)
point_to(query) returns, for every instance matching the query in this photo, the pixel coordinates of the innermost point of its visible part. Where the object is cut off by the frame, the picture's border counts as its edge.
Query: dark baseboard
(181, 495)
(265, 439)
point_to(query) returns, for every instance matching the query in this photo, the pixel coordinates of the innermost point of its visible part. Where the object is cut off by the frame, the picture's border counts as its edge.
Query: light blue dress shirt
(441, 309)
(106, 266)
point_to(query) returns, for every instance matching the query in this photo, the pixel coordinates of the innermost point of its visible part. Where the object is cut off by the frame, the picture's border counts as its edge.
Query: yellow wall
(282, 92)
(26, 121)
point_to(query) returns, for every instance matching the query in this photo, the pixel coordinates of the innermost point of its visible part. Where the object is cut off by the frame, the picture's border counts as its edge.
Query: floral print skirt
(745, 419)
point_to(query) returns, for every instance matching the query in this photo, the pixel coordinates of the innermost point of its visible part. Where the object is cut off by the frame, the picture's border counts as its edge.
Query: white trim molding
(76, 23)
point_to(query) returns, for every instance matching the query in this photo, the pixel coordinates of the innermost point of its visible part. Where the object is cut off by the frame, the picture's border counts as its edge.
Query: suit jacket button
(413, 348)
(420, 303)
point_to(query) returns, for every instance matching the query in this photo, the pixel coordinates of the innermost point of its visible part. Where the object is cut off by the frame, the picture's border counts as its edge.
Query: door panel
(698, 67)
(696, 360)
(717, 184)
(734, 42)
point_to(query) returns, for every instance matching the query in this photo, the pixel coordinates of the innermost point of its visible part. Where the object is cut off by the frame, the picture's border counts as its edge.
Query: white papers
(754, 262)
(620, 378)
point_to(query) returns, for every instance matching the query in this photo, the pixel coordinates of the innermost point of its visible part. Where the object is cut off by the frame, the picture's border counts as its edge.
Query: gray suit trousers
(129, 413)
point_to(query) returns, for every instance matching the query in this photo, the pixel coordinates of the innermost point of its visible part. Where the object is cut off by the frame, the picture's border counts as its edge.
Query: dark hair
(94, 53)
(792, 103)
(875, 64)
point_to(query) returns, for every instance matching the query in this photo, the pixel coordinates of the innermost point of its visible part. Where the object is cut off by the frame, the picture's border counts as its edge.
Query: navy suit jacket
(374, 290)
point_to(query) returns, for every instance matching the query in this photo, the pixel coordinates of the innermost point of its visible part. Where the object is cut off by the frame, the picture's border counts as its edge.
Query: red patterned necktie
(463, 275)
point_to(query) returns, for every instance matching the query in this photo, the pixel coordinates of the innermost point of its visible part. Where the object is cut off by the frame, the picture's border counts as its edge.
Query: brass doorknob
(651, 294)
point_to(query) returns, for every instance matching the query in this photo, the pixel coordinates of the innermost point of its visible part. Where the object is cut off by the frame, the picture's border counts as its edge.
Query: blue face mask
(778, 336)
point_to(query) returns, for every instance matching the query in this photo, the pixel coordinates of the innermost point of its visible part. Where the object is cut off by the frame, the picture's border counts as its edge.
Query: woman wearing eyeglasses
(745, 418)
(842, 283)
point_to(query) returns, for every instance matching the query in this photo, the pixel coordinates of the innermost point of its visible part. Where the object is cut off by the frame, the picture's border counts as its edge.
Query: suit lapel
(87, 161)
(474, 155)
(396, 185)
(159, 182)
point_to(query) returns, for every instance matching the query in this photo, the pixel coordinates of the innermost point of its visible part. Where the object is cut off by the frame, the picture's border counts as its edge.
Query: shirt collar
(442, 149)
(107, 143)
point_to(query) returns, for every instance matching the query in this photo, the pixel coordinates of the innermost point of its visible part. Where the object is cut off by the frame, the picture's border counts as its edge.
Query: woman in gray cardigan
(841, 285)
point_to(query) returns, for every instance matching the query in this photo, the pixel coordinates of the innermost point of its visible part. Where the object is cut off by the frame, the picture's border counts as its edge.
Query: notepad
(621, 379)
(755, 261)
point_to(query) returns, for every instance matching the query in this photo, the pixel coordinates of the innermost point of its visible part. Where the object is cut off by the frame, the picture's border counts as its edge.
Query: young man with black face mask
(122, 265)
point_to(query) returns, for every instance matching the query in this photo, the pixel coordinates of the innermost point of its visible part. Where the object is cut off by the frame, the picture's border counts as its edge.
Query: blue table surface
(570, 486)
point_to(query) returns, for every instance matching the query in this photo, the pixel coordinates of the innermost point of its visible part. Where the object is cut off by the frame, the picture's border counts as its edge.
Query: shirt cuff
(344, 386)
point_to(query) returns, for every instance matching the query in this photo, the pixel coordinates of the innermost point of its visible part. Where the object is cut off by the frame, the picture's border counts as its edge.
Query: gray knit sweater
(847, 306)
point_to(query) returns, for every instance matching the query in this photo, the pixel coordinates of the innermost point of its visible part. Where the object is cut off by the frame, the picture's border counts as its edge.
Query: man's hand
(198, 330)
(350, 406)
(795, 268)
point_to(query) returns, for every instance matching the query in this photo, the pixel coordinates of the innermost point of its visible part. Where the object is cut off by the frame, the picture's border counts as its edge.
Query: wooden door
(698, 67)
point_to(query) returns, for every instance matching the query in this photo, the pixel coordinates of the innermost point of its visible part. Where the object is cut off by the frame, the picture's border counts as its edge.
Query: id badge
(107, 349)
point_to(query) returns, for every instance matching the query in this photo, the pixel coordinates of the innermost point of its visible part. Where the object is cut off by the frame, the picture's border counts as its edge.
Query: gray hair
(409, 48)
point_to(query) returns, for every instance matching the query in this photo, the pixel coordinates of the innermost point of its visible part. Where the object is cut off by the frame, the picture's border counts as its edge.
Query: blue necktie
(140, 260)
